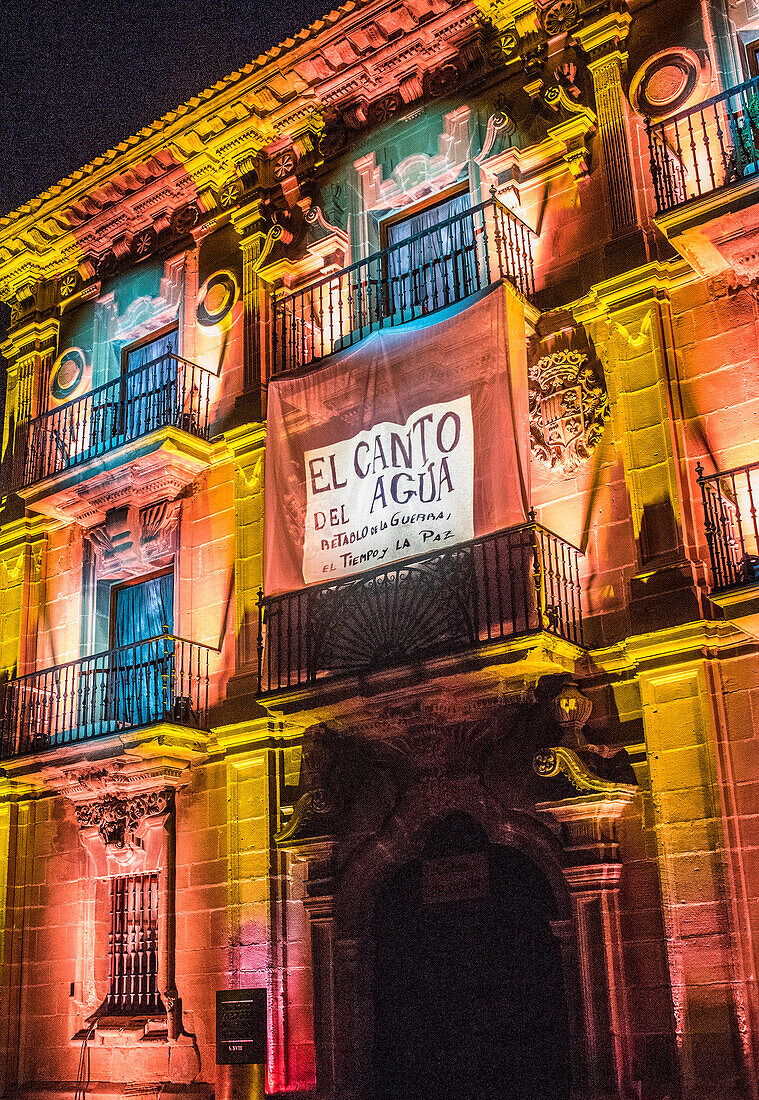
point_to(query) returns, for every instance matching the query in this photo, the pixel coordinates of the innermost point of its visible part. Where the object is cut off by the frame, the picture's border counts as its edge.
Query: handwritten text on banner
(389, 493)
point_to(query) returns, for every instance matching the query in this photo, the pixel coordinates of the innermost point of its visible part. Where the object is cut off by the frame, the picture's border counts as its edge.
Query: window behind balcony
(133, 946)
(143, 668)
(149, 384)
(431, 257)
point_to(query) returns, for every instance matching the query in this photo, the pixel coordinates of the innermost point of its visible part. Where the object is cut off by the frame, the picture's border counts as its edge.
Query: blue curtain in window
(437, 264)
(144, 672)
(150, 384)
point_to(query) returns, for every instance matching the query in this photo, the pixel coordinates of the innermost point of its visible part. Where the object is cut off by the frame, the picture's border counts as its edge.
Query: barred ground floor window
(133, 946)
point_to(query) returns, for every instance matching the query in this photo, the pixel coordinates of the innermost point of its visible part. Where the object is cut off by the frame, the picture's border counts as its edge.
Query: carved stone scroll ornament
(117, 819)
(568, 407)
(317, 806)
(591, 769)
(551, 762)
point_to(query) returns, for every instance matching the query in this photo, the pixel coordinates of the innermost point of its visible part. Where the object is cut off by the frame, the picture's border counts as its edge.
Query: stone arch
(401, 840)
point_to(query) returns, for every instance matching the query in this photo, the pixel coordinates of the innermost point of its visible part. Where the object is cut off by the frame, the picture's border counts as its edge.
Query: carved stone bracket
(314, 812)
(134, 540)
(578, 760)
(551, 762)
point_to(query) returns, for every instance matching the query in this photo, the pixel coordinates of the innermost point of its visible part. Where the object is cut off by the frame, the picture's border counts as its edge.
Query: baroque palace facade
(379, 566)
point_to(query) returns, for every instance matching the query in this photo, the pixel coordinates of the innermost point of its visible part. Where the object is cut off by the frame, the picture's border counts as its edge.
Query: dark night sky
(78, 77)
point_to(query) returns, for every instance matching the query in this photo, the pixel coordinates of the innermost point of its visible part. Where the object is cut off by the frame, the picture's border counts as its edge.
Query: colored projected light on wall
(68, 375)
(217, 297)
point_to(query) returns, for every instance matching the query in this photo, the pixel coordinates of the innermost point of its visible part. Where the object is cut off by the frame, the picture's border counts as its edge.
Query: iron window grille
(133, 947)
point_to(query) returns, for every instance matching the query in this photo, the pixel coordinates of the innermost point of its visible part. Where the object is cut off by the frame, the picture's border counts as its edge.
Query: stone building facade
(470, 792)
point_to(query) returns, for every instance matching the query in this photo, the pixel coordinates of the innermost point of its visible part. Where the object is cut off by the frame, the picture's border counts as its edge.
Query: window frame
(129, 582)
(437, 198)
(156, 334)
(111, 1009)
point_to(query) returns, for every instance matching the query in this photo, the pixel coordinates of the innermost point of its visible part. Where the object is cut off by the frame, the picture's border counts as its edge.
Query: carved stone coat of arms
(568, 407)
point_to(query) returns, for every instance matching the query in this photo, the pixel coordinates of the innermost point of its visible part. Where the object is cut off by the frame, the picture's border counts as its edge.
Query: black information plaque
(240, 1027)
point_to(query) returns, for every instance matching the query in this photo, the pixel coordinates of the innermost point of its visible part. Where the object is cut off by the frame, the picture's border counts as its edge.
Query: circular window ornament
(68, 372)
(669, 81)
(217, 297)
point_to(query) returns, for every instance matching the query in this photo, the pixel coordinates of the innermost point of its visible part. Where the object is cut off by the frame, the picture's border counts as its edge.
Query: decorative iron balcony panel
(730, 499)
(165, 678)
(412, 278)
(709, 146)
(499, 586)
(168, 392)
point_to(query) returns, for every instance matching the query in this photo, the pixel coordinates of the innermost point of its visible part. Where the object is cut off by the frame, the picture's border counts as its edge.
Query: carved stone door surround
(571, 840)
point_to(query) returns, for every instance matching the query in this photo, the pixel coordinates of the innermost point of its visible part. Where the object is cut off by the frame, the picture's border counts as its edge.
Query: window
(149, 384)
(133, 947)
(143, 669)
(431, 257)
(751, 50)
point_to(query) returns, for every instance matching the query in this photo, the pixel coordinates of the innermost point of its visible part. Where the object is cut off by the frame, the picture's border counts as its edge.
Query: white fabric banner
(392, 492)
(413, 440)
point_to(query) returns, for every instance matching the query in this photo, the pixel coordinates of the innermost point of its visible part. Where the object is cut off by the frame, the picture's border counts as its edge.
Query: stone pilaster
(593, 875)
(603, 42)
(694, 737)
(249, 223)
(318, 903)
(631, 325)
(30, 349)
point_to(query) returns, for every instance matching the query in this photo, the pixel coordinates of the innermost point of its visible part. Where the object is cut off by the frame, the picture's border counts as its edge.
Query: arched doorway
(467, 977)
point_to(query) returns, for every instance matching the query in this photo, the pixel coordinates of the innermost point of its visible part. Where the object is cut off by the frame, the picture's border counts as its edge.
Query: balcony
(730, 499)
(413, 278)
(480, 594)
(163, 679)
(705, 169)
(150, 423)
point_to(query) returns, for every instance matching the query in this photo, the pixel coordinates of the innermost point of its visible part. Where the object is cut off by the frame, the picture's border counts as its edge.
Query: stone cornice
(350, 70)
(281, 93)
(695, 641)
(128, 763)
(632, 288)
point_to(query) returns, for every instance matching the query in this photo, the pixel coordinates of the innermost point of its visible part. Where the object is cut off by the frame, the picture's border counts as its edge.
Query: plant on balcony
(745, 149)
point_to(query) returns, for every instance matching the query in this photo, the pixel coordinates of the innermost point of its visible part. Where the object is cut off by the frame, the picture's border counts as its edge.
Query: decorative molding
(560, 17)
(70, 373)
(117, 819)
(217, 298)
(418, 175)
(669, 81)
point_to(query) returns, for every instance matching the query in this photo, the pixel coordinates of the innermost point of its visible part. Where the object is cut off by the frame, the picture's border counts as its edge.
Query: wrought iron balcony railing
(515, 582)
(730, 499)
(709, 146)
(165, 678)
(169, 391)
(436, 268)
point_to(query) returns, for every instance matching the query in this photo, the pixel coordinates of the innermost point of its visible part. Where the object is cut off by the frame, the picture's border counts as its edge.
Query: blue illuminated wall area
(128, 309)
